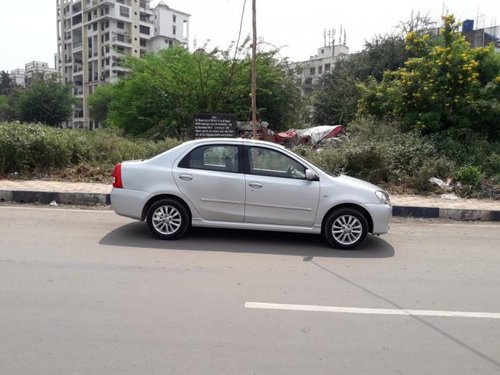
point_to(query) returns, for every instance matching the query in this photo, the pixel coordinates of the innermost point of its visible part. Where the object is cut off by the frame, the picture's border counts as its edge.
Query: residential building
(33, 70)
(308, 73)
(38, 70)
(476, 37)
(95, 35)
(170, 28)
(17, 76)
(481, 37)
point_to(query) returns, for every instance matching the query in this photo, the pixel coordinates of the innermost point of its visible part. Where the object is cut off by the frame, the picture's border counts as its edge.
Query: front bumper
(381, 216)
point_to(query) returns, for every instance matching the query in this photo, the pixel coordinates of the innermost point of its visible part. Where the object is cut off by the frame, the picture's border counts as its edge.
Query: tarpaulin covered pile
(309, 136)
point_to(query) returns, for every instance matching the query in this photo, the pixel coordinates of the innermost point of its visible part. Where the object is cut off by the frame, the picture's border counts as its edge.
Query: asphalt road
(89, 292)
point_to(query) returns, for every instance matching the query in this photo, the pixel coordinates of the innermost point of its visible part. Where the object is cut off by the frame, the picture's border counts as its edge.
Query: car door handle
(255, 185)
(185, 177)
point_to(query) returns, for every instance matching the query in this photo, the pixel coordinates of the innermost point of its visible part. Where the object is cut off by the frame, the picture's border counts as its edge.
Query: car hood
(356, 183)
(345, 187)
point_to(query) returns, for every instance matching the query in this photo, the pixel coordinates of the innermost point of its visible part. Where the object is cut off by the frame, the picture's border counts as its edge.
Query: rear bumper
(129, 203)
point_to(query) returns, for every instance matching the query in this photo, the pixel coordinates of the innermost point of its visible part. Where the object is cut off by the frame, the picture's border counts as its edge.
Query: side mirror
(311, 176)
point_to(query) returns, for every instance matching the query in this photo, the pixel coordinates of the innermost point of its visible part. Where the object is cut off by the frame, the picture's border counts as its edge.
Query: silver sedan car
(247, 184)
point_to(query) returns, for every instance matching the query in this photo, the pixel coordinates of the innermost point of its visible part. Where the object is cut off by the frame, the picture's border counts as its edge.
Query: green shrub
(30, 147)
(469, 148)
(439, 167)
(491, 165)
(381, 153)
(470, 182)
(38, 149)
(469, 175)
(366, 161)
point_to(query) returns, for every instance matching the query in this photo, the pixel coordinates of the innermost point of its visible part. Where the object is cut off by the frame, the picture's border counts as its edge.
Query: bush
(491, 165)
(37, 149)
(382, 154)
(469, 175)
(468, 148)
(32, 147)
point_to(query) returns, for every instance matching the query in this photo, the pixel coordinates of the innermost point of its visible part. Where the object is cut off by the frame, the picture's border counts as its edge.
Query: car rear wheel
(345, 228)
(167, 219)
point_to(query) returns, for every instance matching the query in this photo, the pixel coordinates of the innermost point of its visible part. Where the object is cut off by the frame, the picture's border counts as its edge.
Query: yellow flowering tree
(447, 84)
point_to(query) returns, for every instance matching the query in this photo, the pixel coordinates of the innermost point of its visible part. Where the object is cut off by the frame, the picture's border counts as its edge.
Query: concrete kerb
(93, 199)
(458, 214)
(44, 197)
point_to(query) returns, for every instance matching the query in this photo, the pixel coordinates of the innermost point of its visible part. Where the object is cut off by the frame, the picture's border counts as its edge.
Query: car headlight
(383, 197)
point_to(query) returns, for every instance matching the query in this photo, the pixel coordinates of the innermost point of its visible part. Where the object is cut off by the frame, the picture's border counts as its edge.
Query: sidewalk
(75, 193)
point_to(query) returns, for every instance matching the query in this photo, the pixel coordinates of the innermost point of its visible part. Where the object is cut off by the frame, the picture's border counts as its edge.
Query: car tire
(345, 228)
(167, 219)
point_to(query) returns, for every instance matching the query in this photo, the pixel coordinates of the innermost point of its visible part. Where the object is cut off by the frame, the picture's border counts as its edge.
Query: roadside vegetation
(433, 105)
(39, 151)
(415, 107)
(375, 151)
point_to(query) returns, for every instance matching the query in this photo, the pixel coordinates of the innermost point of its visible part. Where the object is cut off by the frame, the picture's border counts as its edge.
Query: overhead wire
(231, 72)
(241, 27)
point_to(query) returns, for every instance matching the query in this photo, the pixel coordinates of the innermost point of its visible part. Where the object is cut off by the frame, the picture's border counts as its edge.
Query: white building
(38, 69)
(17, 76)
(309, 72)
(33, 70)
(170, 28)
(95, 35)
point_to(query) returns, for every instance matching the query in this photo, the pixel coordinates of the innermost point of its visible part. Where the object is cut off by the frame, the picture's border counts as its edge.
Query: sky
(28, 30)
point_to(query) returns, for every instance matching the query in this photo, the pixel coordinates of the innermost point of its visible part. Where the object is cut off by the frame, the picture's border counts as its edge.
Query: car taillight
(117, 176)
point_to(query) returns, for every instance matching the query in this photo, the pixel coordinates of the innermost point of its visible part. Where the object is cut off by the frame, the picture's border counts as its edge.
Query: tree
(416, 23)
(447, 84)
(99, 103)
(7, 112)
(278, 96)
(336, 98)
(335, 102)
(6, 83)
(165, 90)
(159, 94)
(45, 102)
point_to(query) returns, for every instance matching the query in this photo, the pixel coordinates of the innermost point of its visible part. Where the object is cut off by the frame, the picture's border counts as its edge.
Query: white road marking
(360, 310)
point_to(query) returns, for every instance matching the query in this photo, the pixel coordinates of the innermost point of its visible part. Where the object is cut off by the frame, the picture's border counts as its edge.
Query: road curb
(458, 214)
(45, 197)
(94, 199)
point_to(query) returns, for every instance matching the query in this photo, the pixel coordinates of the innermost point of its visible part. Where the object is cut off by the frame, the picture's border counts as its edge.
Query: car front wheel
(345, 228)
(167, 219)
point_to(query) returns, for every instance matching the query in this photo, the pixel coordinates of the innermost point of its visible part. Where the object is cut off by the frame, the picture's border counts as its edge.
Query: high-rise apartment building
(95, 35)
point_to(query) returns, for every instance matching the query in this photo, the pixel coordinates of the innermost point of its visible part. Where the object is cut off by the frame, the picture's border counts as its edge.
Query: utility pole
(254, 69)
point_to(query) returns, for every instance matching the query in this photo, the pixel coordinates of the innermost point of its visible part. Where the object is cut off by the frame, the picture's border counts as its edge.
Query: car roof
(244, 141)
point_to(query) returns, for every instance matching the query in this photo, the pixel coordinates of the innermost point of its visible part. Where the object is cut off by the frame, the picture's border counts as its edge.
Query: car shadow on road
(136, 234)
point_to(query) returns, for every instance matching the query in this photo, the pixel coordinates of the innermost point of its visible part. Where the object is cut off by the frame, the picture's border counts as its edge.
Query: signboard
(214, 125)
